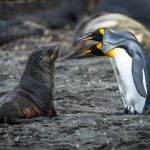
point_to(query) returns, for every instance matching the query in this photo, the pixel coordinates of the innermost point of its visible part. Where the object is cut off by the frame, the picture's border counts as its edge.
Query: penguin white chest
(132, 100)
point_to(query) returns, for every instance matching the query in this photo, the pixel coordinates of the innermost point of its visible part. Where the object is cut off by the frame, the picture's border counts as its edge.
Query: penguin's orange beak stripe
(87, 51)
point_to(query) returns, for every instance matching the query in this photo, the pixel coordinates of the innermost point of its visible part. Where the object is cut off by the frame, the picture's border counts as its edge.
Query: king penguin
(130, 63)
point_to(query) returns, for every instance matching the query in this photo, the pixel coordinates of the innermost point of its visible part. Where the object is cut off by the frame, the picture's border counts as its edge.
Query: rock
(15, 29)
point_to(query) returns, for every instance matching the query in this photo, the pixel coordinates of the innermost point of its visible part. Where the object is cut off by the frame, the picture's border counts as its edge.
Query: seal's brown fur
(34, 96)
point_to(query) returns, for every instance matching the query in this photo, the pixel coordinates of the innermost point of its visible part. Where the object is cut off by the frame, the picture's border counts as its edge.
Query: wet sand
(87, 99)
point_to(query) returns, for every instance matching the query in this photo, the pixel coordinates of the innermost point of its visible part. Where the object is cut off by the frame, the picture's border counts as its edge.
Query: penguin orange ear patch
(102, 31)
(99, 46)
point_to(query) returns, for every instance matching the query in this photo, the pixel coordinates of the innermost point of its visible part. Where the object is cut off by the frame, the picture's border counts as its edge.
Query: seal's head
(50, 54)
(44, 56)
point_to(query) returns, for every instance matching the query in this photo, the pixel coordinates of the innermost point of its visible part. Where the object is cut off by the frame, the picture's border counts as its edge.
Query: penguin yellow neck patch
(112, 53)
(115, 52)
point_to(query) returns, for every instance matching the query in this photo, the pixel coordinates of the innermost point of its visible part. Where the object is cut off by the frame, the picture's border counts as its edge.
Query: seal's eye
(49, 51)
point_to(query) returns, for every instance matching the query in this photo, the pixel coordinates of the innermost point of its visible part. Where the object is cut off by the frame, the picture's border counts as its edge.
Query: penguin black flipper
(137, 68)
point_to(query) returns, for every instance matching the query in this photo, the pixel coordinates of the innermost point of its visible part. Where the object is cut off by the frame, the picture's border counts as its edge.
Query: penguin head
(95, 49)
(97, 35)
(102, 48)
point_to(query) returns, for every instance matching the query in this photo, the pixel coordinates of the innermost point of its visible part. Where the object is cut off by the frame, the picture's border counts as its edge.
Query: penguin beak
(87, 51)
(84, 37)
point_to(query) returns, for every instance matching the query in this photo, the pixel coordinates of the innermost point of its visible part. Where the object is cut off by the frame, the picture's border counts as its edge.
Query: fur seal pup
(34, 95)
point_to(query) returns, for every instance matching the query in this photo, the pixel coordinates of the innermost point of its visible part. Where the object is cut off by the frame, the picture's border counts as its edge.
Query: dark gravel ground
(89, 105)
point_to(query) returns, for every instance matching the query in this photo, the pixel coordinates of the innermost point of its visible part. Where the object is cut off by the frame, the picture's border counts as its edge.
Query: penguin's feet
(135, 112)
(130, 110)
(126, 111)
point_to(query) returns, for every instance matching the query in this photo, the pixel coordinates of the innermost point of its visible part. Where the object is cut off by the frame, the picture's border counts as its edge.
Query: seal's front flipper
(137, 71)
(52, 113)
